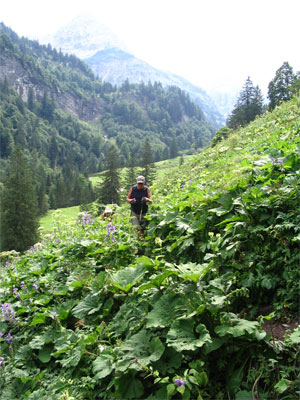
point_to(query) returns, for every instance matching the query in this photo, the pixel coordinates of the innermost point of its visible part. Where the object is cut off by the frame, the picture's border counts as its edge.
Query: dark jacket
(138, 195)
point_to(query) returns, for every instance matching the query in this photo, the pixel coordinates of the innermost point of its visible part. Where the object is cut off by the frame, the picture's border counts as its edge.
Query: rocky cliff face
(21, 80)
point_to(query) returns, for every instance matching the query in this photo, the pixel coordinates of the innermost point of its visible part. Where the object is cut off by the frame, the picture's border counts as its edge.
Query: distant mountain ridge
(113, 64)
(83, 36)
(108, 57)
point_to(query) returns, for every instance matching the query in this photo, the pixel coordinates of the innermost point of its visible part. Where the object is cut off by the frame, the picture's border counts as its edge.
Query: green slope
(94, 312)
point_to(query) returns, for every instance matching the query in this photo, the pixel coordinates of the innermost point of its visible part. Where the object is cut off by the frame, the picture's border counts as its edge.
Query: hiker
(138, 197)
(107, 213)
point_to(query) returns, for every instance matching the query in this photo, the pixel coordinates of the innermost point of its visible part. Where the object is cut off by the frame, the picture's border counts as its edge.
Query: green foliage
(18, 206)
(96, 312)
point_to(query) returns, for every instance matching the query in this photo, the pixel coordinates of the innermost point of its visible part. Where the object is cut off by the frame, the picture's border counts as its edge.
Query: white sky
(215, 44)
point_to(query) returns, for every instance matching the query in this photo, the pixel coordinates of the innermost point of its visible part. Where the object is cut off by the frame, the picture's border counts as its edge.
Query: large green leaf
(91, 304)
(39, 318)
(103, 365)
(139, 347)
(44, 354)
(240, 327)
(192, 271)
(165, 311)
(128, 387)
(181, 335)
(157, 281)
(126, 278)
(73, 357)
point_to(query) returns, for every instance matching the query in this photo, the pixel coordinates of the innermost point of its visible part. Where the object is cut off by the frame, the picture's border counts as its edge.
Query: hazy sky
(215, 44)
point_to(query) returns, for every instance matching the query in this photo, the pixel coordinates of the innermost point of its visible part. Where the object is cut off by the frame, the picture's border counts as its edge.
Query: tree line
(250, 102)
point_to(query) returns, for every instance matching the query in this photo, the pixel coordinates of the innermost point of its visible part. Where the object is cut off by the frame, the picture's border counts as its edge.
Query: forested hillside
(54, 91)
(205, 306)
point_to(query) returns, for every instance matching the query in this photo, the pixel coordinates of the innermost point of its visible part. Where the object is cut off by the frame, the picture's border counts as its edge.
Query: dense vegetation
(94, 312)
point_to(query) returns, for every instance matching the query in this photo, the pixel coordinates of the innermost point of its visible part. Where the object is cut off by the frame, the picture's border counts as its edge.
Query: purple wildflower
(1, 361)
(1, 334)
(35, 286)
(110, 229)
(16, 293)
(85, 219)
(7, 312)
(8, 338)
(180, 382)
(54, 315)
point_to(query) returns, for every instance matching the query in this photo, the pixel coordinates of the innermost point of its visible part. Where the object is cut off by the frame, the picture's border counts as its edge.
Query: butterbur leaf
(156, 282)
(181, 335)
(140, 347)
(91, 304)
(126, 278)
(73, 359)
(103, 366)
(44, 354)
(24, 353)
(128, 387)
(238, 327)
(165, 310)
(170, 361)
(39, 319)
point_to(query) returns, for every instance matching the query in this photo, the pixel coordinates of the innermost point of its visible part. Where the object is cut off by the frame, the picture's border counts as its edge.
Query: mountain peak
(84, 36)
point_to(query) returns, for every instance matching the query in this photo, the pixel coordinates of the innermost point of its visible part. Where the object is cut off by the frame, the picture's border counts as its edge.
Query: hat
(140, 179)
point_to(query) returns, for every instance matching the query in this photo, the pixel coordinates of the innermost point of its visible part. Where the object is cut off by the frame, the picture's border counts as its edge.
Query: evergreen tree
(130, 177)
(173, 148)
(248, 106)
(30, 98)
(148, 167)
(280, 88)
(109, 190)
(19, 208)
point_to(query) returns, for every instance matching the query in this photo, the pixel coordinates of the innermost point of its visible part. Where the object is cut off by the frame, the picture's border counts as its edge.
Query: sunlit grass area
(58, 218)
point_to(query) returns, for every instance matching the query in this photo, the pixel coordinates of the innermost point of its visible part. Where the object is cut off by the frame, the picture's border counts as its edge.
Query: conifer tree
(109, 190)
(280, 88)
(173, 148)
(19, 208)
(131, 171)
(148, 167)
(248, 106)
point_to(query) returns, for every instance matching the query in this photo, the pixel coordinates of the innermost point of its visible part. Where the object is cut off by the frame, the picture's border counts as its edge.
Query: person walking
(138, 197)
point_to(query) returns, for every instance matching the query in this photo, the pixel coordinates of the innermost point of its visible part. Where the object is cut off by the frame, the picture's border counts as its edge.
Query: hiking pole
(141, 211)
(141, 215)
